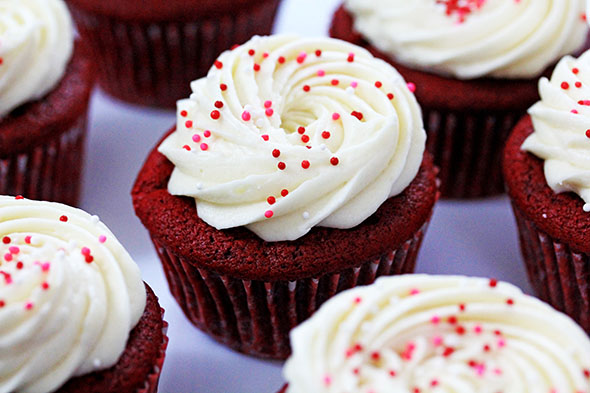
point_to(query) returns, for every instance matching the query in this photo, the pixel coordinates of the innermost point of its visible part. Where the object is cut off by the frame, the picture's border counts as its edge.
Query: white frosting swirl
(561, 122)
(360, 144)
(69, 295)
(36, 43)
(446, 334)
(473, 38)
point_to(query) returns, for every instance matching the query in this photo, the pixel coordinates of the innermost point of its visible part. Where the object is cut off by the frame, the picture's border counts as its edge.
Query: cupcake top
(69, 295)
(287, 133)
(420, 333)
(36, 43)
(561, 121)
(473, 38)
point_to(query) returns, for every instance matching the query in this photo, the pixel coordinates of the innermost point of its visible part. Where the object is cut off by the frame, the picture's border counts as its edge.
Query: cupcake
(419, 333)
(45, 84)
(547, 171)
(148, 52)
(296, 170)
(475, 68)
(74, 313)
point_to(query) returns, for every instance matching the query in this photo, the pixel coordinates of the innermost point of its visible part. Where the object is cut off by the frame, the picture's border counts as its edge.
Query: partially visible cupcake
(148, 52)
(475, 67)
(305, 158)
(547, 171)
(75, 315)
(419, 333)
(45, 84)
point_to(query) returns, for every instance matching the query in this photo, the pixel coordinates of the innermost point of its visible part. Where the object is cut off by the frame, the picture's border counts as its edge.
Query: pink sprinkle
(14, 250)
(414, 291)
(204, 146)
(411, 87)
(335, 116)
(85, 251)
(501, 343)
(477, 329)
(575, 112)
(321, 73)
(102, 238)
(480, 369)
(268, 214)
(45, 266)
(437, 341)
(357, 300)
(28, 306)
(196, 138)
(267, 104)
(354, 84)
(327, 380)
(269, 112)
(8, 257)
(246, 116)
(28, 239)
(435, 320)
(497, 371)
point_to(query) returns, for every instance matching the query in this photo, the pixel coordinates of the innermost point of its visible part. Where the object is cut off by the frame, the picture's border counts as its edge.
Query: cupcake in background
(74, 312)
(475, 67)
(547, 171)
(148, 52)
(45, 84)
(419, 333)
(296, 170)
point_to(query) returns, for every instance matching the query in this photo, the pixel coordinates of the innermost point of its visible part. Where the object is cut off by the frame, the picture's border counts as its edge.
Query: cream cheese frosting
(69, 295)
(451, 334)
(561, 121)
(473, 38)
(287, 133)
(36, 43)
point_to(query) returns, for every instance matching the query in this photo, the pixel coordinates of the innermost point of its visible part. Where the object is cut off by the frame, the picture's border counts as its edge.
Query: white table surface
(473, 238)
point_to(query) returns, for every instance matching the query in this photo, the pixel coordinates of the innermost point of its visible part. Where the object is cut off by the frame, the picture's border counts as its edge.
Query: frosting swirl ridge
(473, 38)
(69, 295)
(286, 133)
(447, 334)
(36, 43)
(561, 121)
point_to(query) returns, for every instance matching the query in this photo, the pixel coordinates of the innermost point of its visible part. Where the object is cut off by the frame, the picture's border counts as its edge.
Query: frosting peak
(446, 334)
(69, 295)
(287, 133)
(36, 43)
(473, 38)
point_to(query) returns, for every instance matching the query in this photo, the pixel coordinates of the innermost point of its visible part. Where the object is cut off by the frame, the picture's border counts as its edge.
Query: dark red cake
(138, 369)
(42, 142)
(148, 52)
(467, 121)
(554, 231)
(248, 293)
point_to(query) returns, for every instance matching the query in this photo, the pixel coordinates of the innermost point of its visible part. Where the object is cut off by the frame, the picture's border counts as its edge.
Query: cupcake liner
(50, 170)
(152, 380)
(467, 147)
(153, 63)
(559, 275)
(245, 314)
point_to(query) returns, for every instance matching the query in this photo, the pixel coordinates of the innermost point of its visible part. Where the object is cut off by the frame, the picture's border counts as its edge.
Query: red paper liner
(467, 147)
(49, 171)
(152, 380)
(559, 275)
(283, 389)
(255, 317)
(153, 63)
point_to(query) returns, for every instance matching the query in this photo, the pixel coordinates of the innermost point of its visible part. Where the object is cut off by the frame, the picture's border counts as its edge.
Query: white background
(472, 238)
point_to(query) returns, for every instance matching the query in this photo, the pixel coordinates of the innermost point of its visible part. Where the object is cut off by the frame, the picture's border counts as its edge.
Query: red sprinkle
(301, 130)
(215, 115)
(335, 82)
(223, 87)
(578, 84)
(304, 138)
(350, 58)
(19, 197)
(378, 84)
(390, 96)
(318, 53)
(493, 282)
(276, 153)
(264, 137)
(218, 64)
(281, 60)
(251, 52)
(218, 104)
(575, 70)
(63, 218)
(281, 165)
(565, 85)
(510, 302)
(306, 88)
(588, 133)
(256, 67)
(186, 147)
(334, 161)
(189, 124)
(45, 286)
(206, 133)
(358, 115)
(19, 265)
(325, 134)
(284, 192)
(183, 113)
(2, 303)
(305, 164)
(6, 240)
(271, 200)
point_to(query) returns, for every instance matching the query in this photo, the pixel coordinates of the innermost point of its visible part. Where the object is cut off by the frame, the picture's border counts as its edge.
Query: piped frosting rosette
(561, 121)
(69, 295)
(451, 334)
(287, 133)
(473, 38)
(36, 43)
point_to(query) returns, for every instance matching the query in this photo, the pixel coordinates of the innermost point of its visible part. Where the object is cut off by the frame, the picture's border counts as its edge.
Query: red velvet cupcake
(75, 315)
(45, 86)
(148, 52)
(475, 70)
(547, 181)
(306, 161)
